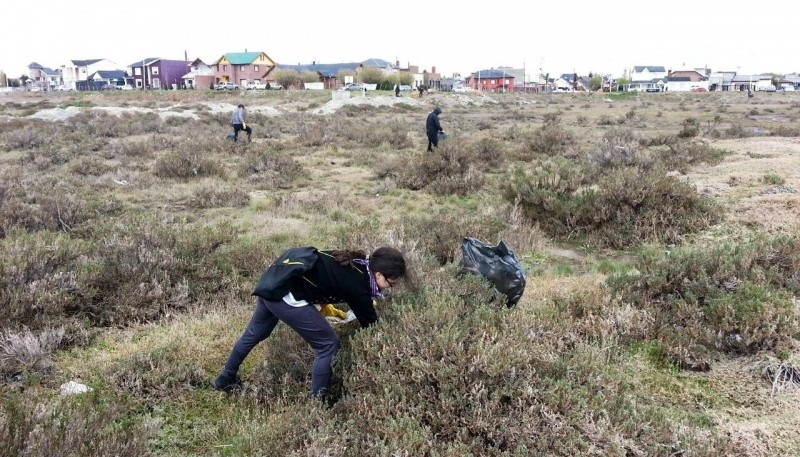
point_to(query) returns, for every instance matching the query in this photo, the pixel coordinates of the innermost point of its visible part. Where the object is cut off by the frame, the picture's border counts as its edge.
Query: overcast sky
(580, 35)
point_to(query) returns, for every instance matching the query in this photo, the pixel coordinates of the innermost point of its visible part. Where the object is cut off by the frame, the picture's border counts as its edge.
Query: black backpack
(277, 281)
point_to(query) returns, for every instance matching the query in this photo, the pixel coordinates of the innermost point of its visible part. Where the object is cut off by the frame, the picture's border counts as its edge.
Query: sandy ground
(331, 107)
(62, 114)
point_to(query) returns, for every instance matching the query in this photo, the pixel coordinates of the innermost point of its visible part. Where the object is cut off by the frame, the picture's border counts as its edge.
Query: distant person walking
(433, 128)
(420, 88)
(397, 90)
(238, 123)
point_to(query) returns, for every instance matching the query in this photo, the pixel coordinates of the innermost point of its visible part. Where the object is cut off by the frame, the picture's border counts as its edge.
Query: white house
(647, 73)
(80, 70)
(200, 75)
(647, 79)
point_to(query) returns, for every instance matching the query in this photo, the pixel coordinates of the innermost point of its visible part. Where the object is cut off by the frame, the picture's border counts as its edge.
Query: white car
(462, 89)
(256, 85)
(787, 87)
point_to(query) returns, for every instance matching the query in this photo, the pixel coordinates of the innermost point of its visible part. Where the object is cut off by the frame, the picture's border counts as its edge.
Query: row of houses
(659, 79)
(237, 67)
(244, 67)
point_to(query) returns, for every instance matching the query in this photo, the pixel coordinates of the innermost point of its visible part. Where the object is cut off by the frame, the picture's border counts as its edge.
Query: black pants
(433, 140)
(306, 321)
(237, 127)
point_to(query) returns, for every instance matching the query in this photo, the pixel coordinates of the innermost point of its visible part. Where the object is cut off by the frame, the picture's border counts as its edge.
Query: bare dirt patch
(740, 180)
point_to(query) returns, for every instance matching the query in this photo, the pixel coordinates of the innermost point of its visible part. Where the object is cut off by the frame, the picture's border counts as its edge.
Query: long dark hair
(389, 262)
(344, 256)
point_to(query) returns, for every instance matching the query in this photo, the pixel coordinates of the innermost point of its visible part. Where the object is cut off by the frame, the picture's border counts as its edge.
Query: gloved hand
(331, 311)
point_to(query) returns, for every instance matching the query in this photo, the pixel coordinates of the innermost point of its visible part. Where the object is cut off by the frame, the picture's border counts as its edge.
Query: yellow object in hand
(331, 311)
(244, 126)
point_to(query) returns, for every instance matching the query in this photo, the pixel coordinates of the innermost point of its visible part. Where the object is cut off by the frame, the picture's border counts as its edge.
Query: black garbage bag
(497, 264)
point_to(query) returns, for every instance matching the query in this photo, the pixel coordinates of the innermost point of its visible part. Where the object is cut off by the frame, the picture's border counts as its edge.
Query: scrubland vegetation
(659, 234)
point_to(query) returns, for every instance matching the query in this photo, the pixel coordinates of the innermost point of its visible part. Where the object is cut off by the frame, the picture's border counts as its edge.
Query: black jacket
(432, 126)
(329, 282)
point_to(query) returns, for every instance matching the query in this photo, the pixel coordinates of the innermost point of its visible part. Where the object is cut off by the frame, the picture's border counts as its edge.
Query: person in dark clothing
(397, 90)
(336, 276)
(238, 123)
(433, 128)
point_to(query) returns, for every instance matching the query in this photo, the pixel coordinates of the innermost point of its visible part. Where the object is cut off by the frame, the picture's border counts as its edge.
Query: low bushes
(126, 270)
(89, 426)
(269, 169)
(624, 207)
(449, 169)
(735, 296)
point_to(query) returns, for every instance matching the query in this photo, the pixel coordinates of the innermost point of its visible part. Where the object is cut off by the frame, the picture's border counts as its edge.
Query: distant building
(491, 81)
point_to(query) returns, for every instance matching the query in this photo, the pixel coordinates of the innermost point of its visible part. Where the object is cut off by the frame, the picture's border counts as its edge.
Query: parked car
(63, 88)
(275, 87)
(787, 87)
(462, 89)
(226, 85)
(770, 88)
(109, 87)
(405, 88)
(699, 89)
(353, 86)
(126, 87)
(256, 85)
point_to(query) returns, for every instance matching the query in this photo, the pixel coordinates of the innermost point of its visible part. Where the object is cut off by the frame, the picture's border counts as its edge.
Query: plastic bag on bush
(497, 264)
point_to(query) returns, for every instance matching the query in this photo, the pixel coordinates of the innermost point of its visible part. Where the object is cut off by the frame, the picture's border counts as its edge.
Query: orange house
(243, 67)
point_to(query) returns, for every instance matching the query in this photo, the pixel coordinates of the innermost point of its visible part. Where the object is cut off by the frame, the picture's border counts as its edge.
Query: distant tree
(622, 81)
(371, 75)
(23, 79)
(309, 76)
(286, 77)
(406, 78)
(595, 82)
(342, 74)
(13, 82)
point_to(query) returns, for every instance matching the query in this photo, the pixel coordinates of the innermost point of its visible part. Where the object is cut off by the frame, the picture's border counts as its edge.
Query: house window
(506, 81)
(138, 83)
(242, 67)
(157, 83)
(255, 67)
(494, 81)
(155, 70)
(137, 71)
(224, 68)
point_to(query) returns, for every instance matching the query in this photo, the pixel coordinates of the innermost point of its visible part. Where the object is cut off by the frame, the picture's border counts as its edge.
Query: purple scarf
(376, 293)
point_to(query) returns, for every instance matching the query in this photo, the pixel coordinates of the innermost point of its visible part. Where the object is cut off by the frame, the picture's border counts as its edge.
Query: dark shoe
(227, 383)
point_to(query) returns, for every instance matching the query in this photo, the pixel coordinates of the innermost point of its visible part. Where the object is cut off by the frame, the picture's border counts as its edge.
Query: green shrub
(216, 197)
(625, 207)
(185, 163)
(160, 374)
(691, 128)
(133, 269)
(270, 170)
(682, 155)
(550, 139)
(449, 169)
(89, 426)
(618, 149)
(735, 296)
(773, 178)
(489, 152)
